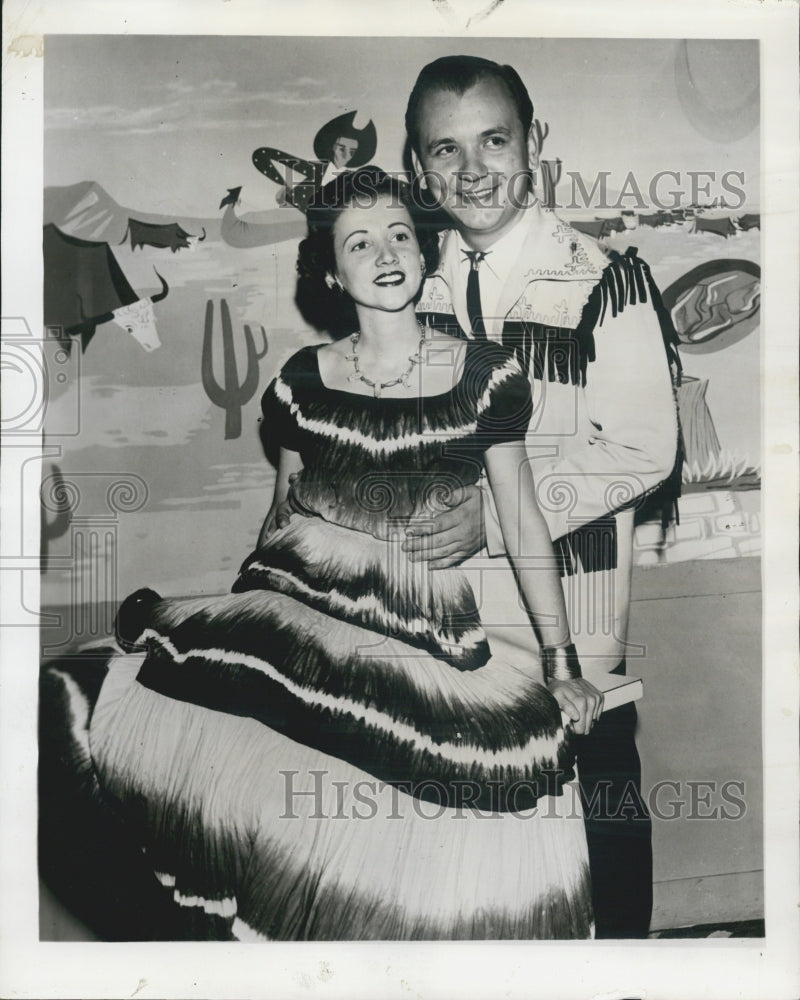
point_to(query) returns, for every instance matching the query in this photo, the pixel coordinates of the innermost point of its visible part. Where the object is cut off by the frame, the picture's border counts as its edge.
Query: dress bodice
(377, 463)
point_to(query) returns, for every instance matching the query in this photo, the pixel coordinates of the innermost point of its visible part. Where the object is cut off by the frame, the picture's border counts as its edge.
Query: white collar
(551, 254)
(504, 252)
(552, 249)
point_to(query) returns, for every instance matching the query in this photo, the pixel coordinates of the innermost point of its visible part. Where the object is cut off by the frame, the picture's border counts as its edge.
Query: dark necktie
(474, 310)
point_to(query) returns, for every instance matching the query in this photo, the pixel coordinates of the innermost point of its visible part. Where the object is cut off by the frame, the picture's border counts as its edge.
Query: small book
(618, 689)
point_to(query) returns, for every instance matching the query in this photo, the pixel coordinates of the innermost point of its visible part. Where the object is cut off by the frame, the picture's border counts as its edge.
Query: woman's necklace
(378, 387)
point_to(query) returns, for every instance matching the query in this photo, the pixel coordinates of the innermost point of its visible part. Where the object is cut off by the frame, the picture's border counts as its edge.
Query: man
(604, 430)
(339, 145)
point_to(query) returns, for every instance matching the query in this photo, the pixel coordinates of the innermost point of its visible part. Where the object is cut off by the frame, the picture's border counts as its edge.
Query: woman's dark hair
(331, 309)
(458, 74)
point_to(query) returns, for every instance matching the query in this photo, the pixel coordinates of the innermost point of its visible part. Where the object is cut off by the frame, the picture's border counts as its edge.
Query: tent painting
(749, 221)
(655, 219)
(591, 227)
(720, 227)
(599, 228)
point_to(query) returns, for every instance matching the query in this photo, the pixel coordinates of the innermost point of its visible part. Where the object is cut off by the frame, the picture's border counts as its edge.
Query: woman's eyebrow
(364, 232)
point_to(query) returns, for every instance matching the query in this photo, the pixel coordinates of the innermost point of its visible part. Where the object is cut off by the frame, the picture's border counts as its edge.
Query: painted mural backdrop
(170, 278)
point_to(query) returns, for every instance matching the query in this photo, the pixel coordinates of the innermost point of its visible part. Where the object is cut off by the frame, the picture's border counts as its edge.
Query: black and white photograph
(399, 500)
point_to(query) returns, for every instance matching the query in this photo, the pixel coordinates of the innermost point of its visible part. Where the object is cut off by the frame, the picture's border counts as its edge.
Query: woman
(331, 751)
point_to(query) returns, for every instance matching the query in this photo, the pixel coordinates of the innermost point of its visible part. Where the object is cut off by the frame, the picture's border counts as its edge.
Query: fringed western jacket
(599, 347)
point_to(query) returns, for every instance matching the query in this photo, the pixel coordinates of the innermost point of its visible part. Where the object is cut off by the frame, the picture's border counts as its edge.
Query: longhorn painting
(84, 287)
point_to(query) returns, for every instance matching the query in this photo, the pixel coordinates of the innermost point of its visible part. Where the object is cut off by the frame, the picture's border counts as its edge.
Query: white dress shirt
(492, 273)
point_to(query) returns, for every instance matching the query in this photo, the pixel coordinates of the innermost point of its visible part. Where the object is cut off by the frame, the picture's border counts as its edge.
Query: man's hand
(580, 701)
(284, 511)
(453, 536)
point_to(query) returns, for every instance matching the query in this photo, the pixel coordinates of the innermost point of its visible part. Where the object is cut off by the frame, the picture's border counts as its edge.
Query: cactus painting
(231, 396)
(58, 497)
(550, 169)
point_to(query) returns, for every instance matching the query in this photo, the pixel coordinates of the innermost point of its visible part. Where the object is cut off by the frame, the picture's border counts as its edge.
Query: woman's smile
(390, 278)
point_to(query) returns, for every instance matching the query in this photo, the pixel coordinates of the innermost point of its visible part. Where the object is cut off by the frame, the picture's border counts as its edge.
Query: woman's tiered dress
(331, 751)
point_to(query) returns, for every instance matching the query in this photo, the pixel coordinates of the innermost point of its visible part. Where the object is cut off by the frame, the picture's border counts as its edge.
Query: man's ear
(533, 148)
(418, 170)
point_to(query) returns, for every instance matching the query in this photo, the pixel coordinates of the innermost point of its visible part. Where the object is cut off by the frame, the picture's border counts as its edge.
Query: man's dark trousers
(618, 827)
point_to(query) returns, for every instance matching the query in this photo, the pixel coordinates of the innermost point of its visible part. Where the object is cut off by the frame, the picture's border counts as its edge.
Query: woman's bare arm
(530, 549)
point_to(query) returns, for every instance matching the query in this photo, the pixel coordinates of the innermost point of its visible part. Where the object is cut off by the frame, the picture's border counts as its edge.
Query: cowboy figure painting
(338, 146)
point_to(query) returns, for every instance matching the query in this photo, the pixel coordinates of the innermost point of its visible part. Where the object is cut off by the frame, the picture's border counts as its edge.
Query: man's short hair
(458, 74)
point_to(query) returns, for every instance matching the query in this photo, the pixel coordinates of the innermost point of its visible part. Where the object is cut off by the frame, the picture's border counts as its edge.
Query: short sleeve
(505, 409)
(279, 424)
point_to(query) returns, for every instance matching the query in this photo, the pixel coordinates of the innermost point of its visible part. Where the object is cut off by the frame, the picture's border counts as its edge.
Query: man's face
(475, 157)
(343, 151)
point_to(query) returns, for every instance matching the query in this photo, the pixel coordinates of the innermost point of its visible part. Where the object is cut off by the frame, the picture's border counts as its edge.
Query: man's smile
(485, 197)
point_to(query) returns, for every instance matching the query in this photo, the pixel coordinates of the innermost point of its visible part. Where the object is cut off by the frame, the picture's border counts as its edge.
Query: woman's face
(378, 259)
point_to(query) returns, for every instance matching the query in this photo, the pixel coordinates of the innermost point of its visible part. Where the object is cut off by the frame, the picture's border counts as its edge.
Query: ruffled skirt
(303, 768)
